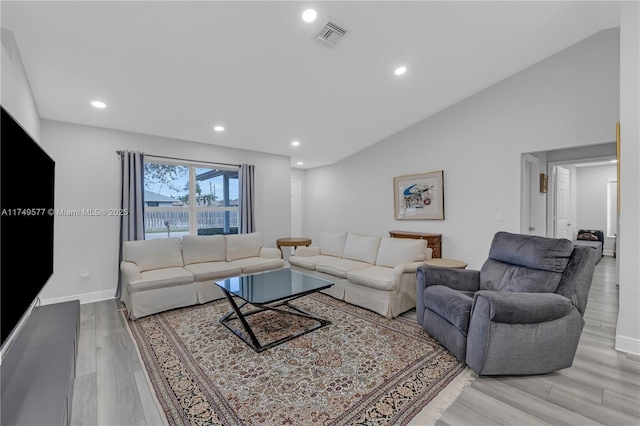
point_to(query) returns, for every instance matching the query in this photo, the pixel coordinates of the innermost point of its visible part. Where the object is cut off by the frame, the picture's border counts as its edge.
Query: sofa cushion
(213, 270)
(158, 278)
(241, 246)
(309, 262)
(251, 265)
(153, 254)
(377, 277)
(340, 267)
(363, 248)
(396, 251)
(203, 248)
(450, 304)
(332, 243)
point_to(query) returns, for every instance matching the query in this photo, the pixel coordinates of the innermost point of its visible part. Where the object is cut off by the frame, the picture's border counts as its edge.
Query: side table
(434, 241)
(447, 263)
(292, 242)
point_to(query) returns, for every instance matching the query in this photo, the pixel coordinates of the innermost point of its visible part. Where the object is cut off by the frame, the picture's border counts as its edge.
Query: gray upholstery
(520, 314)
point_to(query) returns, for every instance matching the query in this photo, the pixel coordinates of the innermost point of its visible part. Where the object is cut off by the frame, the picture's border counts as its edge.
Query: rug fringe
(163, 415)
(430, 414)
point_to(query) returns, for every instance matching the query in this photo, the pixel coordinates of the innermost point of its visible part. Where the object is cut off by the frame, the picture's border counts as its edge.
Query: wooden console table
(434, 241)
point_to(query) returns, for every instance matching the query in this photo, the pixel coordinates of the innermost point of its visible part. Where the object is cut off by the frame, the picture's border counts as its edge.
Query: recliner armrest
(457, 279)
(522, 308)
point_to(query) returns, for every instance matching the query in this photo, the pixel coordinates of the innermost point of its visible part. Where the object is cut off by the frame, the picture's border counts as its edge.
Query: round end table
(292, 242)
(447, 263)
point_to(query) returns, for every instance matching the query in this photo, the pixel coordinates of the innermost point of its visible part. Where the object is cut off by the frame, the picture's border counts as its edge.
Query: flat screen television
(26, 224)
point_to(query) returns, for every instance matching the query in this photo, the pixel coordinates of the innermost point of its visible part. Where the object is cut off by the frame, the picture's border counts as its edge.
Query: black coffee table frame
(250, 338)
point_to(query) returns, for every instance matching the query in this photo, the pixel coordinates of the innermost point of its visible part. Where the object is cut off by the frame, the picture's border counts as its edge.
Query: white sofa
(377, 273)
(169, 273)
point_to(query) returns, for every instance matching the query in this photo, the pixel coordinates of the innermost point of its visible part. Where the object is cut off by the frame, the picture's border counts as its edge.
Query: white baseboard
(627, 344)
(607, 252)
(96, 296)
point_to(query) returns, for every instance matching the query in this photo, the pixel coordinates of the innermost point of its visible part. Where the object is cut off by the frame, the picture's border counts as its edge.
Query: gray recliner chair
(520, 314)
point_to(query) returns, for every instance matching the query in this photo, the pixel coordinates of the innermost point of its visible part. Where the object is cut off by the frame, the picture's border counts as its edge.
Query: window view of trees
(189, 199)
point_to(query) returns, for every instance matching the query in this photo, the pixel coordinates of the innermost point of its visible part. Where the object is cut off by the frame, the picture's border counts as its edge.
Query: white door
(296, 208)
(563, 203)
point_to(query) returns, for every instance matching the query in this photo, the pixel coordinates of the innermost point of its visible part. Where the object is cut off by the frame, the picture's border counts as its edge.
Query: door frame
(551, 200)
(297, 210)
(526, 181)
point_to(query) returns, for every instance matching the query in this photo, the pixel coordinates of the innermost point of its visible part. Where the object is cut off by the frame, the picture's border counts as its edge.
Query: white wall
(87, 176)
(301, 174)
(15, 92)
(592, 185)
(566, 100)
(628, 333)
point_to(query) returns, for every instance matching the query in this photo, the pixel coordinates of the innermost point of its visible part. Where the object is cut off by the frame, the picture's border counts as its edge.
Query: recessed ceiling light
(309, 15)
(300, 163)
(400, 70)
(98, 104)
(614, 161)
(295, 143)
(218, 128)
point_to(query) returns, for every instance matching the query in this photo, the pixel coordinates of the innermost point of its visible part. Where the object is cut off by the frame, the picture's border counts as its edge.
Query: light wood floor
(602, 386)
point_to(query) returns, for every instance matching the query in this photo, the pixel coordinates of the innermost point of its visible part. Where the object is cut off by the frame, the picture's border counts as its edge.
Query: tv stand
(40, 367)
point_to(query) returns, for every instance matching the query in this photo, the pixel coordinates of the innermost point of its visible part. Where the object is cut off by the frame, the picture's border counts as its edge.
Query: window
(189, 199)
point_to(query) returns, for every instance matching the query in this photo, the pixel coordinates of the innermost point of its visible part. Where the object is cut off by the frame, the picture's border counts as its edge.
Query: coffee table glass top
(272, 286)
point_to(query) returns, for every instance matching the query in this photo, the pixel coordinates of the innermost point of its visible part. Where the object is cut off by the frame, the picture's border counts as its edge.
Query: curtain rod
(185, 159)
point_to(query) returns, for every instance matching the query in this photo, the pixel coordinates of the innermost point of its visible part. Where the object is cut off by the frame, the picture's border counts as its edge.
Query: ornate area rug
(362, 369)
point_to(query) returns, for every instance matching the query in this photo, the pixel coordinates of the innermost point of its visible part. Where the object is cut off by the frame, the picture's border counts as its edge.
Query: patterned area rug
(362, 369)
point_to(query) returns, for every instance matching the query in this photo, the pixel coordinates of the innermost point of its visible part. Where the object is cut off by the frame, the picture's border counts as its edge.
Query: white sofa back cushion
(153, 254)
(203, 248)
(241, 246)
(361, 247)
(396, 251)
(332, 243)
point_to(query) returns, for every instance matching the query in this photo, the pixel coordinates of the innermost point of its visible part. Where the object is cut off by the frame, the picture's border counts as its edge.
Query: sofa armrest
(520, 308)
(130, 271)
(429, 254)
(270, 253)
(457, 279)
(407, 267)
(307, 251)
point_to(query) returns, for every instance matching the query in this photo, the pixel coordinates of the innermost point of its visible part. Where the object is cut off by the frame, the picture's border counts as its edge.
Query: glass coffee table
(270, 291)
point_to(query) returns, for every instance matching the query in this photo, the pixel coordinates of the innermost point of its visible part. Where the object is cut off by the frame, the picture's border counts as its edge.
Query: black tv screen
(26, 221)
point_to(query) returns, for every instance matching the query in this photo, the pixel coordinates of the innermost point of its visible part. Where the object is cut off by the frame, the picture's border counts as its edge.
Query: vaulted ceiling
(177, 69)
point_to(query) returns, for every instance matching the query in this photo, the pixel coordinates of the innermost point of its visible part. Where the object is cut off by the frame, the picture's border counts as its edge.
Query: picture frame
(544, 183)
(419, 196)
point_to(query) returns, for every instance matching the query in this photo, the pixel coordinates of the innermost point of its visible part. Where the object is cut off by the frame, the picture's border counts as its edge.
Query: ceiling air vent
(330, 33)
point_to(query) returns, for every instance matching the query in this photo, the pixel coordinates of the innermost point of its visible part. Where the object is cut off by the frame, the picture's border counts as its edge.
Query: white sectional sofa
(377, 273)
(170, 273)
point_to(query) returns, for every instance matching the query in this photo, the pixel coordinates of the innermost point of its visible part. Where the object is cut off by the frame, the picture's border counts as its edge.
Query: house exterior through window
(189, 199)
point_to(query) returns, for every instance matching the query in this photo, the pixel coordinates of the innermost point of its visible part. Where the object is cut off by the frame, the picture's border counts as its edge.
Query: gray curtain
(246, 194)
(131, 199)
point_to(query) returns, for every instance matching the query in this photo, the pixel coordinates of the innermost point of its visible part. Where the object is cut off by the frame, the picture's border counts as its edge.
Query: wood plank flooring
(601, 388)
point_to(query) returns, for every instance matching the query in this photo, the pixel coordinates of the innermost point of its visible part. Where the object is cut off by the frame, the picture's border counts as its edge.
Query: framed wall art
(419, 196)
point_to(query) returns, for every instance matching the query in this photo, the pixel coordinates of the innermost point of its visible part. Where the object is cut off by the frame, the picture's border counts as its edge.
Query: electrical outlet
(500, 217)
(84, 273)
